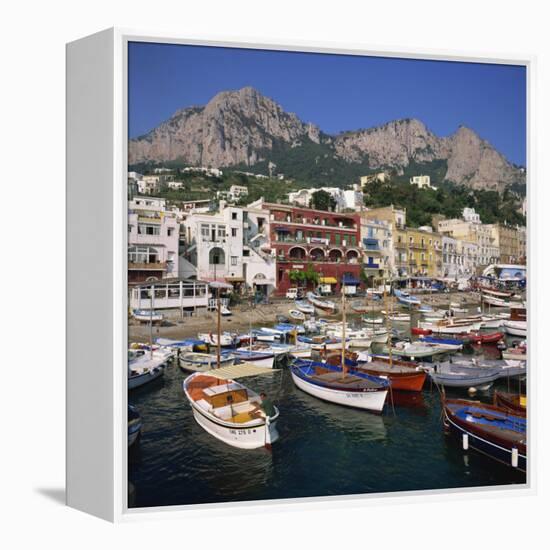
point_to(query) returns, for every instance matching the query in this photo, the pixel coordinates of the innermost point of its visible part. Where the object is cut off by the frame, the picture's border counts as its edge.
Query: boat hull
(197, 364)
(144, 378)
(372, 401)
(478, 442)
(413, 382)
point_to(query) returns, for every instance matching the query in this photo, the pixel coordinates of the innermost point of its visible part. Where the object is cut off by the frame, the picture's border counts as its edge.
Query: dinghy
(230, 412)
(455, 376)
(295, 314)
(258, 358)
(304, 307)
(142, 369)
(134, 425)
(146, 315)
(325, 306)
(202, 362)
(226, 339)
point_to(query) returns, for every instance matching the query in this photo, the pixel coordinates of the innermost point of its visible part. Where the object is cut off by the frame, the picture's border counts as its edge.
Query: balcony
(371, 265)
(146, 266)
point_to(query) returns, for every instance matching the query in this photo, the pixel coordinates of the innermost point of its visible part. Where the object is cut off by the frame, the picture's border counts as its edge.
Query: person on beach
(266, 406)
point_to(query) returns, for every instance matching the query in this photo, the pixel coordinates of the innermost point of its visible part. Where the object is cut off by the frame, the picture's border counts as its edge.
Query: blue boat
(347, 386)
(488, 429)
(448, 341)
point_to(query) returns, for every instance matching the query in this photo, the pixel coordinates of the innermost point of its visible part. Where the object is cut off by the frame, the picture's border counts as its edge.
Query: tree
(321, 200)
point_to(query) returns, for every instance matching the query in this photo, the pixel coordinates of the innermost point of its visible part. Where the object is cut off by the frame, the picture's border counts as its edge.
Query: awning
(350, 280)
(235, 279)
(370, 241)
(281, 229)
(328, 280)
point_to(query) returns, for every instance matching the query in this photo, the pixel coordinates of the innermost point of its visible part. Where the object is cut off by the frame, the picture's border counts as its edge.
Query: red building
(330, 242)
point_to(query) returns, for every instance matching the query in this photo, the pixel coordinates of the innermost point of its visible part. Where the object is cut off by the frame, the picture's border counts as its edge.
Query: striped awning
(328, 280)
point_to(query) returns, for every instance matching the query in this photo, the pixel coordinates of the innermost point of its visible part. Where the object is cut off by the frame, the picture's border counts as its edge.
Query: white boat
(146, 315)
(373, 320)
(296, 314)
(143, 369)
(329, 383)
(414, 350)
(202, 362)
(455, 376)
(449, 326)
(265, 359)
(226, 339)
(494, 301)
(224, 310)
(397, 317)
(433, 314)
(515, 328)
(326, 306)
(230, 412)
(304, 307)
(491, 321)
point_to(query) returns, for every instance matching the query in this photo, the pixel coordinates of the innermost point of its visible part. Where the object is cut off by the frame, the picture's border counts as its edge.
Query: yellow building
(423, 251)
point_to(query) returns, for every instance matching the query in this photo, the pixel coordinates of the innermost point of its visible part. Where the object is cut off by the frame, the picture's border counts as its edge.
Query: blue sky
(333, 91)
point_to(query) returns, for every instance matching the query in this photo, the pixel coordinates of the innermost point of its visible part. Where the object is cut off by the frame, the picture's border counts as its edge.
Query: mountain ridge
(246, 128)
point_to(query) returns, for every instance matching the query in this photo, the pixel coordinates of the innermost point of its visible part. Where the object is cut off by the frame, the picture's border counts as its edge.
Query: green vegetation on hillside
(448, 200)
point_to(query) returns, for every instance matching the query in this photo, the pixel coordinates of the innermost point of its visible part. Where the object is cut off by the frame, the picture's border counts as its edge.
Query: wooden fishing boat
(488, 429)
(325, 306)
(420, 331)
(226, 339)
(337, 385)
(494, 301)
(514, 403)
(258, 358)
(230, 412)
(515, 328)
(493, 292)
(143, 369)
(372, 320)
(486, 338)
(403, 375)
(457, 376)
(304, 307)
(202, 362)
(397, 317)
(296, 314)
(147, 315)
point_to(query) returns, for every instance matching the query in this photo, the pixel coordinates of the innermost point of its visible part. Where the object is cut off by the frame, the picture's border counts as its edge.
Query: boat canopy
(350, 280)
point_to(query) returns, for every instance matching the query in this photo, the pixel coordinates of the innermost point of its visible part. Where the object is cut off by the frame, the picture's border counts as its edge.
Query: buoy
(465, 441)
(514, 458)
(472, 391)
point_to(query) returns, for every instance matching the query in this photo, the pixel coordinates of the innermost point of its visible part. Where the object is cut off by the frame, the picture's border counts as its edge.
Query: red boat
(479, 338)
(403, 375)
(421, 331)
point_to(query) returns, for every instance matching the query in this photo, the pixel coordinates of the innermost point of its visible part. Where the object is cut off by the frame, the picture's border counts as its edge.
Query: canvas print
(326, 274)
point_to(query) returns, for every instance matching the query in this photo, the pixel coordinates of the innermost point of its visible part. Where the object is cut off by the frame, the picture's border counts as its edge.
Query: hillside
(245, 130)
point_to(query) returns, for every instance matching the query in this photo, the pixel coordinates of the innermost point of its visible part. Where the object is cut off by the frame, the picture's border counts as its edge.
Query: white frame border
(122, 513)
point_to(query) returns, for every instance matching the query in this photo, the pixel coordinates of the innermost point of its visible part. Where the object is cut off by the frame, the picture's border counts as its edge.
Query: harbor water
(323, 450)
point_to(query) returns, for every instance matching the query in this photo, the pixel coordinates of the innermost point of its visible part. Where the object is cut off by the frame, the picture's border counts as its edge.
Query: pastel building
(153, 240)
(328, 241)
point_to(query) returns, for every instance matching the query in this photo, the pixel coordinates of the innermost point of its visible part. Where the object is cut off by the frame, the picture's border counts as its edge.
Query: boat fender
(465, 441)
(514, 457)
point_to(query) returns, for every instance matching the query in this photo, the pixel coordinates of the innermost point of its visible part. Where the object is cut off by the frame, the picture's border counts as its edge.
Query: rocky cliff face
(234, 127)
(243, 126)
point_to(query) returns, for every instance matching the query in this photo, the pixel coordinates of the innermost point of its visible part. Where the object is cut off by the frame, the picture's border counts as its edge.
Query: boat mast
(151, 304)
(388, 321)
(218, 347)
(344, 369)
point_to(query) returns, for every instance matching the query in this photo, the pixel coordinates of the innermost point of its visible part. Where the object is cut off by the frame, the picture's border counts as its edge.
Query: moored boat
(488, 429)
(202, 362)
(230, 412)
(134, 425)
(147, 315)
(143, 369)
(304, 307)
(326, 306)
(515, 403)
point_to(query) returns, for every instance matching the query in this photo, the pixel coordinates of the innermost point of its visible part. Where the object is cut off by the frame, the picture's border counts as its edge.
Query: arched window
(216, 256)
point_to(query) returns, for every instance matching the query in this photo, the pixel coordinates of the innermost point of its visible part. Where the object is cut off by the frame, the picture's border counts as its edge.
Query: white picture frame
(97, 282)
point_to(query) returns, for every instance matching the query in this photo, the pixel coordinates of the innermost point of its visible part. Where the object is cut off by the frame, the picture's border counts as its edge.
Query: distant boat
(406, 299)
(488, 429)
(397, 317)
(304, 307)
(258, 358)
(373, 320)
(134, 425)
(146, 315)
(226, 338)
(515, 328)
(296, 314)
(224, 310)
(326, 306)
(202, 362)
(486, 338)
(230, 412)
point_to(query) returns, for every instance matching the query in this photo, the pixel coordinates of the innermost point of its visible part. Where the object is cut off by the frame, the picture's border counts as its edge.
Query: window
(216, 256)
(144, 229)
(246, 252)
(337, 238)
(234, 215)
(234, 260)
(353, 240)
(221, 231)
(143, 255)
(205, 232)
(233, 231)
(170, 231)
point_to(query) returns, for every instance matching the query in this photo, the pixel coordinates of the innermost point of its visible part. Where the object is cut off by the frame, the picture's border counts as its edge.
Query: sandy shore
(245, 316)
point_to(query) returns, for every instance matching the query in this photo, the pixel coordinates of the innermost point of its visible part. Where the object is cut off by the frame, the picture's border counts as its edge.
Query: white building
(422, 182)
(153, 240)
(380, 177)
(227, 246)
(345, 198)
(148, 185)
(234, 194)
(212, 172)
(175, 184)
(470, 215)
